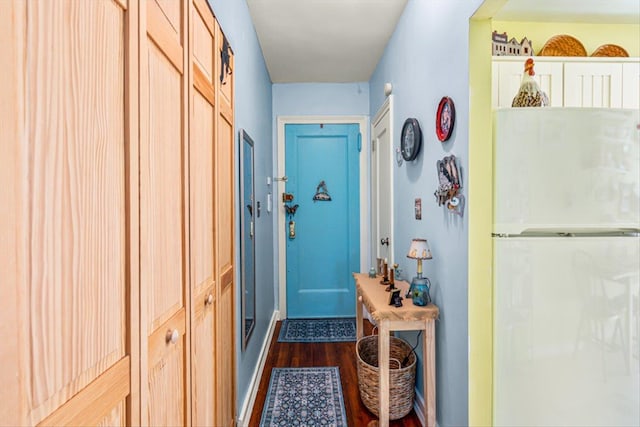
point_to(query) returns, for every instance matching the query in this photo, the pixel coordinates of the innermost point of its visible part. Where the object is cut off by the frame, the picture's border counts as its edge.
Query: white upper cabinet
(507, 76)
(631, 85)
(571, 82)
(589, 84)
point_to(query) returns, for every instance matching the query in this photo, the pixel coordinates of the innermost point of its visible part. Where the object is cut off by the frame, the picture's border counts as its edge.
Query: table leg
(429, 373)
(359, 332)
(383, 362)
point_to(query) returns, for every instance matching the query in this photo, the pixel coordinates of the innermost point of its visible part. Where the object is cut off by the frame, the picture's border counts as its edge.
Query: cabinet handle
(172, 336)
(208, 300)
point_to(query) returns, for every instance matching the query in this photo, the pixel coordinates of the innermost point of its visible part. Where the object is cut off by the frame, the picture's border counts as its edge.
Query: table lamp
(419, 289)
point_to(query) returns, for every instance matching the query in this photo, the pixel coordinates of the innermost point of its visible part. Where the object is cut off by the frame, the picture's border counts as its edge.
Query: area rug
(304, 397)
(318, 330)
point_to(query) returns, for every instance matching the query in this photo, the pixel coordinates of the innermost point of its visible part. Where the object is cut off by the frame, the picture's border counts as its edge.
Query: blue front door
(326, 247)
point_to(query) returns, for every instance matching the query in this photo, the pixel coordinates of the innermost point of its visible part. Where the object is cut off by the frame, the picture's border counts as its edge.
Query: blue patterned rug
(304, 397)
(318, 330)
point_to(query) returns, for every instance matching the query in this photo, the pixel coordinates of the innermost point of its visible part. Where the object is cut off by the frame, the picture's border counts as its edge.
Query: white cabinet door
(507, 76)
(589, 84)
(631, 85)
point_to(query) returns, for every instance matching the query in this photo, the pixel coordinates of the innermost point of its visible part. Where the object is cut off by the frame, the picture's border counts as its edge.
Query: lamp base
(419, 291)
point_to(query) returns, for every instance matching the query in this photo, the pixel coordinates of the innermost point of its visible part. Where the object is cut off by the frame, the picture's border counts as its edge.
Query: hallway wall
(253, 114)
(426, 59)
(329, 99)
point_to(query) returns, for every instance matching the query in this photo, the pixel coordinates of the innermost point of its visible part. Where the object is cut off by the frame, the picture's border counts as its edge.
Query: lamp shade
(419, 249)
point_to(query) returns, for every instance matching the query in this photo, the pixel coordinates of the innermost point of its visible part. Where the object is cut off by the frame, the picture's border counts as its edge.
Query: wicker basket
(401, 380)
(563, 45)
(610, 50)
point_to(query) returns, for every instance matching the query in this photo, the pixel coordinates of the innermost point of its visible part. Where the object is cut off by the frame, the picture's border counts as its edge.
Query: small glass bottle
(398, 271)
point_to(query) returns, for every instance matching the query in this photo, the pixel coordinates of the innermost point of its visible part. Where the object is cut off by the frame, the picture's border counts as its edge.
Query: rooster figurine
(530, 94)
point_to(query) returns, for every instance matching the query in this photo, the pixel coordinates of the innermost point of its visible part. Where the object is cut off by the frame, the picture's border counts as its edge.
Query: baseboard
(418, 407)
(250, 400)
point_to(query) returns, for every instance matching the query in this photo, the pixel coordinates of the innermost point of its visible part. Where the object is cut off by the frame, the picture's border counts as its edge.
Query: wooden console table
(389, 318)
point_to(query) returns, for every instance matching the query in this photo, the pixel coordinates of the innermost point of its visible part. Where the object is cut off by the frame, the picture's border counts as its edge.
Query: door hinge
(373, 145)
(359, 142)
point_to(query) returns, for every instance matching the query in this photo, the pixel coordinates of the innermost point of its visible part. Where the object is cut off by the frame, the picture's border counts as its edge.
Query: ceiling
(343, 40)
(323, 40)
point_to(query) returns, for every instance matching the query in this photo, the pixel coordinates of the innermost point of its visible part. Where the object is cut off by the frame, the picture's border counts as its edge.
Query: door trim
(278, 188)
(387, 106)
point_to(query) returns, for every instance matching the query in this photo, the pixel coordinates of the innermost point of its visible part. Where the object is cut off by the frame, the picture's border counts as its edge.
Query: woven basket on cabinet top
(610, 50)
(562, 45)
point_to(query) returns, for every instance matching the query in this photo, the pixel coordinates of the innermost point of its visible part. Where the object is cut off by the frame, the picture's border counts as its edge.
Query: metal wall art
(449, 185)
(322, 194)
(225, 68)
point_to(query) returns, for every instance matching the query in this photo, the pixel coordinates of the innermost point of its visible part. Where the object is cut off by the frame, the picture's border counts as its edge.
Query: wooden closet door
(69, 229)
(201, 205)
(225, 238)
(163, 223)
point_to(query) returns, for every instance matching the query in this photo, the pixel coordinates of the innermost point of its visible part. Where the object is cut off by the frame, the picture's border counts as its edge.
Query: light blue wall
(426, 59)
(330, 99)
(253, 114)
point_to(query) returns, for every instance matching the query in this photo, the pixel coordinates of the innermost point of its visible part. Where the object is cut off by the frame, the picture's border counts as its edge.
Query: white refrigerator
(566, 267)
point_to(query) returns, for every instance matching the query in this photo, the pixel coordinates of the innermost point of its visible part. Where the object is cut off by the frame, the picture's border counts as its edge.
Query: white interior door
(382, 183)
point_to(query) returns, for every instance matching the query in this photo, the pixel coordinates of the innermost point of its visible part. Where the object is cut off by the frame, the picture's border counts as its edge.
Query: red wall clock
(445, 118)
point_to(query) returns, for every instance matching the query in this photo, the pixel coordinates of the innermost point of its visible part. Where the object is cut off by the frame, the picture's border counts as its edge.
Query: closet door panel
(12, 243)
(172, 11)
(202, 359)
(161, 192)
(201, 196)
(115, 418)
(167, 403)
(226, 382)
(224, 198)
(201, 193)
(74, 194)
(163, 222)
(225, 213)
(203, 29)
(97, 401)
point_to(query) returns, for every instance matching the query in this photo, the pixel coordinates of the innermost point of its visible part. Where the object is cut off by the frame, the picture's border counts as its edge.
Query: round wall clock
(410, 139)
(445, 118)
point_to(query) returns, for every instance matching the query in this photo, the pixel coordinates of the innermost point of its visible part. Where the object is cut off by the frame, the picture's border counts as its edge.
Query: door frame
(279, 186)
(385, 107)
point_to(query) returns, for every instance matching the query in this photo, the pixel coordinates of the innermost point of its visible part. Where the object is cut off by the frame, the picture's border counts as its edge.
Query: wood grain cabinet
(225, 214)
(65, 356)
(164, 186)
(202, 203)
(117, 301)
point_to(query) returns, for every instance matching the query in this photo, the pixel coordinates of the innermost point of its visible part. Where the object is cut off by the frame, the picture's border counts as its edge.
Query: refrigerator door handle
(534, 232)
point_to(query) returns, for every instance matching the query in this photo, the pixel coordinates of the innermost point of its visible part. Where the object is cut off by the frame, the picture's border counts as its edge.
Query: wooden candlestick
(385, 274)
(391, 281)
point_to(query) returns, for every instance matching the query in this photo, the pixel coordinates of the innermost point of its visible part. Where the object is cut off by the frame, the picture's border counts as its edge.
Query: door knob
(172, 336)
(208, 300)
(384, 241)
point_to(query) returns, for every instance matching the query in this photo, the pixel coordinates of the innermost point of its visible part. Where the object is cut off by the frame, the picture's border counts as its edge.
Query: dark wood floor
(343, 355)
